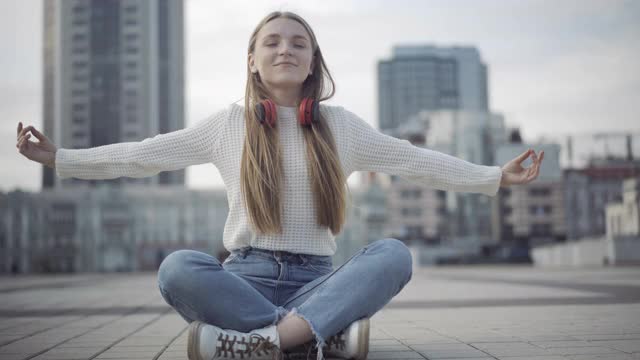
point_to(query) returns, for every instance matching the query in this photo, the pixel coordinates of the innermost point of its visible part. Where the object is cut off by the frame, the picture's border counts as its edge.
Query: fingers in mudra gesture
(42, 151)
(514, 174)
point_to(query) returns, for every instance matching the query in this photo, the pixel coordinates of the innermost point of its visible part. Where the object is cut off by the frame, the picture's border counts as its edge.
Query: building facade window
(540, 209)
(540, 229)
(411, 211)
(410, 194)
(539, 191)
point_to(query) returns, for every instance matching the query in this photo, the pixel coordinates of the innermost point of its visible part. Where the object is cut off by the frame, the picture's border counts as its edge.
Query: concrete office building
(531, 214)
(108, 228)
(417, 212)
(623, 225)
(623, 218)
(590, 189)
(619, 246)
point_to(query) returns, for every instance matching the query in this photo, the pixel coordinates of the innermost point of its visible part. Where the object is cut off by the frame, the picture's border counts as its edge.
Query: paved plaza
(471, 313)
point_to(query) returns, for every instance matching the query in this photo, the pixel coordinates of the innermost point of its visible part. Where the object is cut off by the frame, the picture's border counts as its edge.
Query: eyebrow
(294, 36)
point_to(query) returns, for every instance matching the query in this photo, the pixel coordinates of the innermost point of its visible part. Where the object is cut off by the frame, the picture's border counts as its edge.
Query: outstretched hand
(514, 174)
(43, 151)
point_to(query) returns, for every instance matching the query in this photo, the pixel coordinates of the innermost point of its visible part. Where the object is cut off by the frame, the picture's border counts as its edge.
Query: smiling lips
(285, 64)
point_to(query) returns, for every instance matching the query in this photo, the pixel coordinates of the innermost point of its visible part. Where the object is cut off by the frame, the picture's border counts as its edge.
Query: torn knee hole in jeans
(320, 342)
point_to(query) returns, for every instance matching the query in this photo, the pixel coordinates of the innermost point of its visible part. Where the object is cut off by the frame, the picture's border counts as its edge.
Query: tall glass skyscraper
(429, 78)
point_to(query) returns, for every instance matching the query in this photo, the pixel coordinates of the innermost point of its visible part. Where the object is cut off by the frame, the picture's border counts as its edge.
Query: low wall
(624, 251)
(589, 252)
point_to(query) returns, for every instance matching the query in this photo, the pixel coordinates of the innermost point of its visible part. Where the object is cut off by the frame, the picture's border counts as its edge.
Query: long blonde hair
(261, 169)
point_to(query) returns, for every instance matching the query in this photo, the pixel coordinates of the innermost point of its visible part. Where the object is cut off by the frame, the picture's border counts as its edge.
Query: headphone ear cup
(260, 111)
(315, 112)
(301, 111)
(271, 112)
(305, 112)
(266, 112)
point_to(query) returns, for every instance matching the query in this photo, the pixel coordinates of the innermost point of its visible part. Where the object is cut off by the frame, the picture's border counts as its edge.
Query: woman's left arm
(372, 150)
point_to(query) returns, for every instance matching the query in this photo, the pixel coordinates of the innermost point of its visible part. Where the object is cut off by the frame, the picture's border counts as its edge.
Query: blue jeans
(255, 288)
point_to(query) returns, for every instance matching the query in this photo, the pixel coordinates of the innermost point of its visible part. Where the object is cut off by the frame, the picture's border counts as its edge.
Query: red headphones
(308, 112)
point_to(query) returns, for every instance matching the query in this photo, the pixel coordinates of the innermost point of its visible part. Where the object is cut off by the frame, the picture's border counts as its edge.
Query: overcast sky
(555, 67)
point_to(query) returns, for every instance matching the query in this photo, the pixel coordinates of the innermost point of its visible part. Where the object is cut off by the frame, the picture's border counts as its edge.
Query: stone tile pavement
(471, 313)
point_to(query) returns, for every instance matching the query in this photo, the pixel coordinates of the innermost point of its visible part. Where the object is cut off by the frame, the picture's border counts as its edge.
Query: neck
(285, 96)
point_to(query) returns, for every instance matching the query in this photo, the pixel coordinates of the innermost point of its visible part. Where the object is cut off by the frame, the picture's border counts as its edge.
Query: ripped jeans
(255, 288)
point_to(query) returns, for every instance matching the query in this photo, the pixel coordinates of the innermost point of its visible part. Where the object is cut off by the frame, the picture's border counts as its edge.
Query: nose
(284, 48)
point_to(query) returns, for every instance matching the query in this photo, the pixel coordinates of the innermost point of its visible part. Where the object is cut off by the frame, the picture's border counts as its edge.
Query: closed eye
(298, 46)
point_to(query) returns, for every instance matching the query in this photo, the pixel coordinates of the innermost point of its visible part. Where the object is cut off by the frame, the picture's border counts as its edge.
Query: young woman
(284, 160)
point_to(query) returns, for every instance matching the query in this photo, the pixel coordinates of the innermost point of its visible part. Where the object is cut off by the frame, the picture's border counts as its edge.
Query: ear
(252, 65)
(313, 63)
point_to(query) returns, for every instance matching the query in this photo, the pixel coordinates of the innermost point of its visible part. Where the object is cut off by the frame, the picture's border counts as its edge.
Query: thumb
(522, 157)
(40, 136)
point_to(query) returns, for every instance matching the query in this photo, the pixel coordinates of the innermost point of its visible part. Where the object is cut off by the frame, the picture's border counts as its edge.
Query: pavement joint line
(37, 332)
(482, 351)
(461, 342)
(403, 343)
(170, 342)
(127, 335)
(64, 312)
(71, 338)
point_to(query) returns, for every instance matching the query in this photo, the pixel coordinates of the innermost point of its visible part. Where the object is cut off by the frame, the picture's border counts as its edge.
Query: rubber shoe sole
(193, 341)
(300, 352)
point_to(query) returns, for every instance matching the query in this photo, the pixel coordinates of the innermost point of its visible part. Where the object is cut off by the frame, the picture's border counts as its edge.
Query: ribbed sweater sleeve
(175, 150)
(372, 150)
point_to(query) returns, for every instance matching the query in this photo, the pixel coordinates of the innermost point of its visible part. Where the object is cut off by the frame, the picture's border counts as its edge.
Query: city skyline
(553, 67)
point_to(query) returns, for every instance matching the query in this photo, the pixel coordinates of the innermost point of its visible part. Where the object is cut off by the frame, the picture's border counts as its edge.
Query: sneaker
(350, 343)
(208, 342)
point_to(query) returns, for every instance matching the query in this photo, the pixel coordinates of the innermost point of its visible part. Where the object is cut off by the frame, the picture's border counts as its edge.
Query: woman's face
(282, 41)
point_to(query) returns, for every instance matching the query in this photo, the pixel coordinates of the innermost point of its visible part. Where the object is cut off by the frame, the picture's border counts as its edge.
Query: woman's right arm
(43, 151)
(175, 150)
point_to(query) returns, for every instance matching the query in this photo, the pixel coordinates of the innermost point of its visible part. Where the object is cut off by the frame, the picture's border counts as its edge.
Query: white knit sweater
(218, 139)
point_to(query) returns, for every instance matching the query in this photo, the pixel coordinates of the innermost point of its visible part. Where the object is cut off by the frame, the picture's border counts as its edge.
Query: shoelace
(257, 343)
(296, 355)
(336, 340)
(266, 345)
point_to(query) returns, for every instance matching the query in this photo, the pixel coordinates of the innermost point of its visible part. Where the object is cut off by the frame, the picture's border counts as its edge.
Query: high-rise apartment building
(113, 72)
